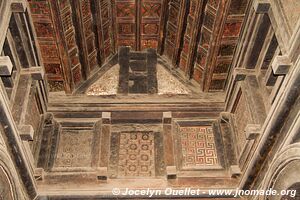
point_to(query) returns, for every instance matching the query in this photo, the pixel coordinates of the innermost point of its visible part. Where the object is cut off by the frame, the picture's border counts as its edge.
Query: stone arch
(283, 173)
(6, 187)
(10, 186)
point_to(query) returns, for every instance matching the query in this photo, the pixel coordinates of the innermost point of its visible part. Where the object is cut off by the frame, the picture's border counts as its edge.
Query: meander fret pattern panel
(198, 146)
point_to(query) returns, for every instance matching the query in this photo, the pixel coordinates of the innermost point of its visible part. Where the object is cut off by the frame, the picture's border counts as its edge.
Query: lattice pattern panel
(133, 154)
(198, 147)
(74, 149)
(136, 155)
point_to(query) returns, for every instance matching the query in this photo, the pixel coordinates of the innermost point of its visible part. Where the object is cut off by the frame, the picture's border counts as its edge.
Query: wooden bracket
(18, 6)
(281, 65)
(39, 174)
(171, 172)
(261, 6)
(26, 132)
(106, 118)
(102, 174)
(167, 117)
(37, 73)
(241, 73)
(252, 131)
(235, 170)
(5, 66)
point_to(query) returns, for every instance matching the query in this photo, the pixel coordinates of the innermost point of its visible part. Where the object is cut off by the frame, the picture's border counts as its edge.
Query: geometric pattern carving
(133, 154)
(125, 9)
(136, 155)
(74, 149)
(151, 9)
(198, 146)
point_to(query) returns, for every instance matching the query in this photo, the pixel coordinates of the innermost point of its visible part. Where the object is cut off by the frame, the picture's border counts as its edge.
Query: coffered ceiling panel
(77, 37)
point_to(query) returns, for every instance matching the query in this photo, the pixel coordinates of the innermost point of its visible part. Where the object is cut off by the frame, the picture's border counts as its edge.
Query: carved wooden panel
(138, 23)
(126, 23)
(104, 15)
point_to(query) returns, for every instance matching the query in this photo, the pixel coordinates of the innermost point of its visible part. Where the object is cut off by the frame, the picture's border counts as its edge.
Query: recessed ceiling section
(78, 37)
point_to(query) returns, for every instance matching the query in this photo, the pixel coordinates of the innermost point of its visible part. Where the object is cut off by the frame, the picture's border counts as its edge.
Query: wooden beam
(37, 73)
(215, 44)
(195, 36)
(81, 38)
(96, 12)
(163, 26)
(184, 9)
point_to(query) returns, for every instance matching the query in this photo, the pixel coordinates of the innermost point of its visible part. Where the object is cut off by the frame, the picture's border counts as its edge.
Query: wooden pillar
(151, 71)
(124, 70)
(104, 146)
(168, 146)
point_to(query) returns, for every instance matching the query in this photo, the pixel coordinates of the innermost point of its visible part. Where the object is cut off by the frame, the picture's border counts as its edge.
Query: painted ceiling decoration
(77, 37)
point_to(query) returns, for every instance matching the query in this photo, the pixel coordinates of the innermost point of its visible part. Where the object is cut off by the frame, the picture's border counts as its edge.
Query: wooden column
(124, 70)
(104, 146)
(168, 145)
(151, 71)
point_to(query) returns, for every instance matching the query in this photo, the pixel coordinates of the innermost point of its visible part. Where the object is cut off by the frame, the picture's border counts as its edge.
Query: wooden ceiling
(78, 36)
